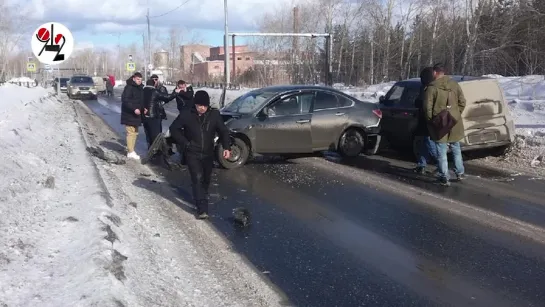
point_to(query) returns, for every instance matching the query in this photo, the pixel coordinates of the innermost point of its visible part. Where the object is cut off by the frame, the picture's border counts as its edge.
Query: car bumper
(83, 93)
(372, 142)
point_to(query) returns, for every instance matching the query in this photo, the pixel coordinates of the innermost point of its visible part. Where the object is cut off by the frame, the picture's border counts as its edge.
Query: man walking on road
(194, 130)
(444, 103)
(132, 109)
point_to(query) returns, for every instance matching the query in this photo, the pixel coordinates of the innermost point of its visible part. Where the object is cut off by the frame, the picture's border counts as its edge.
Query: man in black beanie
(194, 130)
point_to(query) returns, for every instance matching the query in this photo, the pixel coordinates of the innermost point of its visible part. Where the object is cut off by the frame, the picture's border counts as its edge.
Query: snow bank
(52, 247)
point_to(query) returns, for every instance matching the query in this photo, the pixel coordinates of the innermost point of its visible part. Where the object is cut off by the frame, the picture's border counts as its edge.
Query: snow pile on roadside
(52, 247)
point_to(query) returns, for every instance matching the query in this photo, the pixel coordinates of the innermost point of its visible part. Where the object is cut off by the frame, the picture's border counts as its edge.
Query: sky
(104, 23)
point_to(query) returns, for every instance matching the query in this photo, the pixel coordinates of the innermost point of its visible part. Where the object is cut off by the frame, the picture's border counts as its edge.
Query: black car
(295, 119)
(63, 84)
(400, 114)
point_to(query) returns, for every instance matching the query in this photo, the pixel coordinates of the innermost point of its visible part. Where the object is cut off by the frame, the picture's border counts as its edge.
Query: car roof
(415, 82)
(295, 87)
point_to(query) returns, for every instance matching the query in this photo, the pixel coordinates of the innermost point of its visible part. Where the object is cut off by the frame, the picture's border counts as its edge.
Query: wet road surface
(329, 240)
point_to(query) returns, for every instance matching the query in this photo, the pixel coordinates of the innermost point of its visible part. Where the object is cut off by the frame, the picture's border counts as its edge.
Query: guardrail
(24, 84)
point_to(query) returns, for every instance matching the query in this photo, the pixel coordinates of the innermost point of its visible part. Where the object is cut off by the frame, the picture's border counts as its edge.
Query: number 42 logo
(52, 43)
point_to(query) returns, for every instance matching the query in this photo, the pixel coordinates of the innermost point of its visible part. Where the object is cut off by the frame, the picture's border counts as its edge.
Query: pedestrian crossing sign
(31, 67)
(131, 66)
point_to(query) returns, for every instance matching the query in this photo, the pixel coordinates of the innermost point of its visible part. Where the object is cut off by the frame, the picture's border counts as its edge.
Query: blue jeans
(427, 150)
(442, 167)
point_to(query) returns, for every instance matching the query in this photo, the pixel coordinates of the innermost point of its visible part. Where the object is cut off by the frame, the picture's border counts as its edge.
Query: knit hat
(201, 98)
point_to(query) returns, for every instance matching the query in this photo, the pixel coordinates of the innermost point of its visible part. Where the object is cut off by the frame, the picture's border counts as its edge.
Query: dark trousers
(152, 128)
(200, 169)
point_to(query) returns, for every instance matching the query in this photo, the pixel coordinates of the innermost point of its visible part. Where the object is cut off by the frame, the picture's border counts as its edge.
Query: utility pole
(145, 64)
(226, 47)
(149, 39)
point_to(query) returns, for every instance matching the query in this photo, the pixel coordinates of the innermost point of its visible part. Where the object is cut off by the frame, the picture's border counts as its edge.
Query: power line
(174, 9)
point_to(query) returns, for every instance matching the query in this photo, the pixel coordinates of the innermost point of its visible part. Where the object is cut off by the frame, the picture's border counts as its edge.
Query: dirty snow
(77, 231)
(51, 242)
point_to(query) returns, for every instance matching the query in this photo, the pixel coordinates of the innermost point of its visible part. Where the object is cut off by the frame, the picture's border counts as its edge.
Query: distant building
(205, 63)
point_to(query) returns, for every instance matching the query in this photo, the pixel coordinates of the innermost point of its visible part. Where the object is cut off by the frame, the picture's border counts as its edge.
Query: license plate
(84, 92)
(482, 138)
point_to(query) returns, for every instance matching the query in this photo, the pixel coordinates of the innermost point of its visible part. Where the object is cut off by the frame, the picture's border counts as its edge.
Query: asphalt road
(359, 232)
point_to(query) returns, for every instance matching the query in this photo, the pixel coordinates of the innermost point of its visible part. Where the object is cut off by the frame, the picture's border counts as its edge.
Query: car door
(286, 126)
(328, 118)
(405, 115)
(388, 106)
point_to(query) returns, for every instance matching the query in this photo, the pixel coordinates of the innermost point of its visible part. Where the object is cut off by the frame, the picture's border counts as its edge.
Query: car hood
(83, 84)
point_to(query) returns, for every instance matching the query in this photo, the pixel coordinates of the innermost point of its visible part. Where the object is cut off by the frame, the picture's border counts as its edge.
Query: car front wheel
(239, 154)
(351, 143)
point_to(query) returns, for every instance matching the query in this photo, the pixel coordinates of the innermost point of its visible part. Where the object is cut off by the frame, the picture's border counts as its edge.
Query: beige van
(100, 84)
(487, 120)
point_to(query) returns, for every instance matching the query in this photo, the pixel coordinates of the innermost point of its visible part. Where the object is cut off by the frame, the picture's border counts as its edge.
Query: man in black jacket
(132, 109)
(184, 99)
(153, 102)
(194, 130)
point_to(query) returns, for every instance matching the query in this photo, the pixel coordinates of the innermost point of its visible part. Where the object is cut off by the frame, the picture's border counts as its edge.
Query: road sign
(31, 67)
(150, 66)
(131, 66)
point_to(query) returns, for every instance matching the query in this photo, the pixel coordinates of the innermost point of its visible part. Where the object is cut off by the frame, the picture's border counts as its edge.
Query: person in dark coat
(426, 150)
(154, 100)
(194, 130)
(184, 99)
(132, 109)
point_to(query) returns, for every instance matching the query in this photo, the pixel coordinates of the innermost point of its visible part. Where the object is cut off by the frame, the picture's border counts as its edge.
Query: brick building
(205, 63)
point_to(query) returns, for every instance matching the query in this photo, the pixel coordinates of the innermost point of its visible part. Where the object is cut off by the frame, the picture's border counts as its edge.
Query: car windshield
(64, 80)
(81, 80)
(249, 102)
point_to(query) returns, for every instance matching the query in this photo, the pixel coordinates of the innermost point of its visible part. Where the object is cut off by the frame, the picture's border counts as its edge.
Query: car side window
(343, 101)
(409, 97)
(292, 105)
(325, 101)
(394, 94)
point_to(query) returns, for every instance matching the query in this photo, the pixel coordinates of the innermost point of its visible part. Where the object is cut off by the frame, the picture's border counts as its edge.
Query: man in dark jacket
(184, 99)
(132, 109)
(426, 150)
(194, 130)
(153, 102)
(161, 88)
(443, 93)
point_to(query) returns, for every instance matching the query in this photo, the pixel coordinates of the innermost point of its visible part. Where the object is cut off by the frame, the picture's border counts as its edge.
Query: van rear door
(487, 120)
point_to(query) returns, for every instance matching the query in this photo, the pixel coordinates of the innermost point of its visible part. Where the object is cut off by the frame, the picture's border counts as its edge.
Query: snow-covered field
(77, 231)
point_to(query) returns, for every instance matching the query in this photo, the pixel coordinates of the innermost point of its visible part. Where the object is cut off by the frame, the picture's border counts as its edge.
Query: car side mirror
(381, 98)
(264, 113)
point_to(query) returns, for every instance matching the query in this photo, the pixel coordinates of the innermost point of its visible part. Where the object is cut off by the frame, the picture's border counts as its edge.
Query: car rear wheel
(352, 143)
(239, 154)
